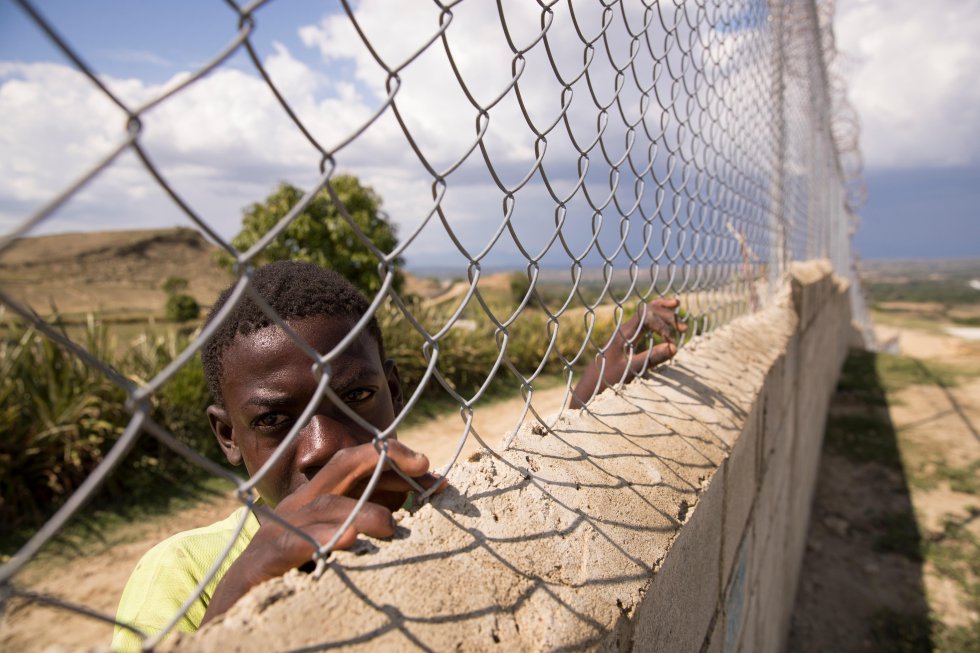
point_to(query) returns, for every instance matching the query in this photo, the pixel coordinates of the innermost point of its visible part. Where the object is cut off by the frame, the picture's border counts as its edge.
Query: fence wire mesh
(620, 151)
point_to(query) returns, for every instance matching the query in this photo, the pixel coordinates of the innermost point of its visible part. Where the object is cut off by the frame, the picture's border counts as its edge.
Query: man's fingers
(374, 520)
(319, 520)
(348, 466)
(666, 302)
(663, 319)
(652, 357)
(409, 461)
(330, 511)
(660, 324)
(429, 480)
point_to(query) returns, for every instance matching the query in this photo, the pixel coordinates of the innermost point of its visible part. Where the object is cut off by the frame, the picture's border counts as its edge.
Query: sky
(912, 74)
(224, 142)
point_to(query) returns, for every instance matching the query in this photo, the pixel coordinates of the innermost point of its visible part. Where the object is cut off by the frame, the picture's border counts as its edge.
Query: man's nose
(319, 441)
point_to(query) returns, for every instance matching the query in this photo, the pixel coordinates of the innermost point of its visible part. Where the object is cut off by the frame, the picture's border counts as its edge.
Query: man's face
(267, 382)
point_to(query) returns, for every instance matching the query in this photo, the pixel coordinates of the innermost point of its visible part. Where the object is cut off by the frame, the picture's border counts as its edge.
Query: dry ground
(893, 551)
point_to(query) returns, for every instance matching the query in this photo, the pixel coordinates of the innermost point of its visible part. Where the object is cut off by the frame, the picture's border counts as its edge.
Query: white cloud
(913, 79)
(224, 142)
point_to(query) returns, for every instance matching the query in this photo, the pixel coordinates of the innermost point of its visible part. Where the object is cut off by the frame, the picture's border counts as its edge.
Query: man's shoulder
(203, 544)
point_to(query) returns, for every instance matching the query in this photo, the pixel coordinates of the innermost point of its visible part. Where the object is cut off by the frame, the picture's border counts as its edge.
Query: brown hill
(119, 274)
(116, 273)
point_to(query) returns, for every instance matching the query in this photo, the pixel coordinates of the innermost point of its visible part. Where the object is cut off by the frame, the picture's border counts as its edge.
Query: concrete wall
(670, 516)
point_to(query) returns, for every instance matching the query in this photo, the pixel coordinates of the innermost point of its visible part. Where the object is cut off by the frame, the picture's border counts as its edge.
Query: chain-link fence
(612, 152)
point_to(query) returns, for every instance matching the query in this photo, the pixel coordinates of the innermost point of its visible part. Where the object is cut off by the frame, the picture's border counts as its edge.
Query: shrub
(182, 308)
(174, 285)
(58, 417)
(519, 285)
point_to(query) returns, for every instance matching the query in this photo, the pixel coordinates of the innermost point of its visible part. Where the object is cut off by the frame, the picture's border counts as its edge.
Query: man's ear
(394, 385)
(224, 434)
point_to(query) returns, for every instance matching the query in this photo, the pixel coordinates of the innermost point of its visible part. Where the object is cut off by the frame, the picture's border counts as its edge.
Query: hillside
(116, 273)
(119, 273)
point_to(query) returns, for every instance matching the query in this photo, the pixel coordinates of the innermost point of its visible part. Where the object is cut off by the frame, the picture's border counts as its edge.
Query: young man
(262, 382)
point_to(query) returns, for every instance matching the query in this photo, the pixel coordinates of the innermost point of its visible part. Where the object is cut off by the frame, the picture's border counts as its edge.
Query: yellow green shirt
(169, 573)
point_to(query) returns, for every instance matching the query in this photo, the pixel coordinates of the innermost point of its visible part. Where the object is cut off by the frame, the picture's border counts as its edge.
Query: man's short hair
(295, 290)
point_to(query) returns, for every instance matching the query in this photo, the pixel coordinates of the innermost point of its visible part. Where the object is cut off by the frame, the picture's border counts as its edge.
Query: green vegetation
(923, 290)
(859, 378)
(863, 438)
(519, 285)
(858, 427)
(321, 234)
(59, 417)
(962, 639)
(955, 553)
(898, 372)
(468, 352)
(173, 285)
(870, 378)
(182, 308)
(898, 533)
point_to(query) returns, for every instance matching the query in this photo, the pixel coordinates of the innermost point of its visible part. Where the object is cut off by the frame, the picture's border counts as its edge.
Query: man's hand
(659, 317)
(319, 508)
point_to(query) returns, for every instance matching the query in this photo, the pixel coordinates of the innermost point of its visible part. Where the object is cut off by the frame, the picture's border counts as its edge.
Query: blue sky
(911, 67)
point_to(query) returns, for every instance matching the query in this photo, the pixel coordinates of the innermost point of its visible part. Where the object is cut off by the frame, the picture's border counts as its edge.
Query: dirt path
(96, 580)
(893, 550)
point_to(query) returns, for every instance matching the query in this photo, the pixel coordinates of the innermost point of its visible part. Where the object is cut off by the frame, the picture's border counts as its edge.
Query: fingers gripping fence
(632, 150)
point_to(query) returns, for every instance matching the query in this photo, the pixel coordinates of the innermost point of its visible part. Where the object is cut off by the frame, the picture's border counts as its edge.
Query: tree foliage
(321, 234)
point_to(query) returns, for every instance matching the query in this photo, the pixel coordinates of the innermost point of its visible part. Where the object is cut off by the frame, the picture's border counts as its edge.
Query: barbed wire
(701, 148)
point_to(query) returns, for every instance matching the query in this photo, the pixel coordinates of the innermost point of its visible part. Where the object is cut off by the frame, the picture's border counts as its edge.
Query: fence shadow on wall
(576, 518)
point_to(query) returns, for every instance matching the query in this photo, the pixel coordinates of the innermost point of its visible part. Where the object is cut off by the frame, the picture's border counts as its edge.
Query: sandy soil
(849, 580)
(97, 579)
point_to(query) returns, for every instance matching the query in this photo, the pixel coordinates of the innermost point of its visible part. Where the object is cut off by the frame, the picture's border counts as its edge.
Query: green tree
(321, 234)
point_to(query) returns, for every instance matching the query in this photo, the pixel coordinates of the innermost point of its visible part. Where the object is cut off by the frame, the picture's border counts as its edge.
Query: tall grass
(57, 419)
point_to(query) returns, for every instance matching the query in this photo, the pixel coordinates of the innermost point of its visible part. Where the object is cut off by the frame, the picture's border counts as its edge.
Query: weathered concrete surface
(669, 516)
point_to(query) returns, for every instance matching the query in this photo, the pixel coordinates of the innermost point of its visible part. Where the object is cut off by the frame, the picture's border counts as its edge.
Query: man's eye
(354, 396)
(270, 420)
